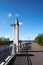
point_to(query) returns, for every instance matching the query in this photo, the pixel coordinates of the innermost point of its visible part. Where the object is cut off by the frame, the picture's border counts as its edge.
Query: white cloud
(10, 14)
(20, 23)
(17, 15)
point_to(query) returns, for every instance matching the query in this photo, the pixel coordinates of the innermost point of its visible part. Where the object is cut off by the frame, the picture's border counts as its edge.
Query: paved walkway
(36, 59)
(38, 56)
(20, 61)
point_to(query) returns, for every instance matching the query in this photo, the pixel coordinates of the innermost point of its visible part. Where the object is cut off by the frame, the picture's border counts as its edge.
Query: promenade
(32, 58)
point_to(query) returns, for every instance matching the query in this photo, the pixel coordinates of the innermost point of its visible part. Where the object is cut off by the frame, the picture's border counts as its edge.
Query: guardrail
(8, 60)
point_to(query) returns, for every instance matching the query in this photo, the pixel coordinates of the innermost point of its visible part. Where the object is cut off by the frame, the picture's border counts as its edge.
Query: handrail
(7, 60)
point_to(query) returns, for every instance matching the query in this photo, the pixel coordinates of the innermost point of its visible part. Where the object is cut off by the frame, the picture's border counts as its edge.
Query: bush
(39, 39)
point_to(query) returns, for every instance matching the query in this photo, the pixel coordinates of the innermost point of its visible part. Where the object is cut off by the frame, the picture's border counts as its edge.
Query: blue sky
(29, 13)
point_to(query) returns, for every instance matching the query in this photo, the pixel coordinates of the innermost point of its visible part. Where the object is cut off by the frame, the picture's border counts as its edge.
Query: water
(5, 51)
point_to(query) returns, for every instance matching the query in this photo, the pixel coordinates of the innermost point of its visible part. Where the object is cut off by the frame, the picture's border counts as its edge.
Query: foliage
(4, 41)
(39, 39)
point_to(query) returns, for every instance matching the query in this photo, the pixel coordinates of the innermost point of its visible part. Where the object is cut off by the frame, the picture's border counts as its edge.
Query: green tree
(4, 40)
(39, 39)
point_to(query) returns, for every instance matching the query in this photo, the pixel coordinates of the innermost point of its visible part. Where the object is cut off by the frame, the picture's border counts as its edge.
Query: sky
(29, 14)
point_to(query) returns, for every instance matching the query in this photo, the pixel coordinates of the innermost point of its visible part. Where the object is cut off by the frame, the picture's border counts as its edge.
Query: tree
(4, 40)
(39, 39)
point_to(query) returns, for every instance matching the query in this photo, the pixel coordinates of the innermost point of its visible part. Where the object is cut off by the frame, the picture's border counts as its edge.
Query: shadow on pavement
(24, 54)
